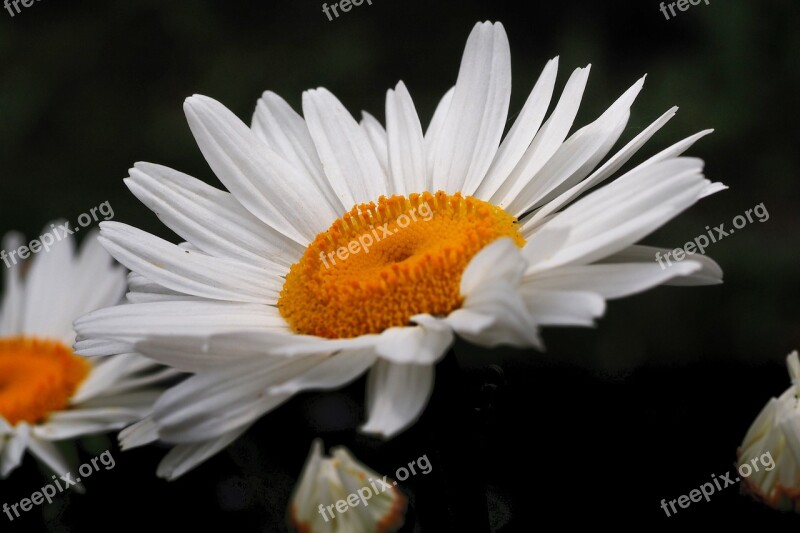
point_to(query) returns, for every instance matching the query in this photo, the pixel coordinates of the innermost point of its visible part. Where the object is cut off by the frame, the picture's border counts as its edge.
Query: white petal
(14, 449)
(609, 280)
(185, 457)
(143, 432)
(210, 404)
(405, 143)
(601, 174)
(349, 160)
(547, 140)
(376, 134)
(286, 133)
(396, 396)
(131, 323)
(211, 219)
(47, 453)
(191, 273)
(12, 302)
(494, 314)
(433, 133)
(477, 115)
(563, 308)
(78, 422)
(578, 156)
(710, 272)
(425, 343)
(500, 260)
(521, 134)
(333, 372)
(262, 181)
(625, 211)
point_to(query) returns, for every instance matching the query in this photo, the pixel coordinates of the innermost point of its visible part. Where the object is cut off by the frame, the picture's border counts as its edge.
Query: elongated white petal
(578, 156)
(184, 457)
(128, 324)
(710, 273)
(521, 134)
(405, 143)
(608, 280)
(47, 453)
(211, 219)
(286, 133)
(598, 176)
(344, 149)
(13, 293)
(477, 114)
(221, 400)
(547, 140)
(376, 134)
(262, 181)
(178, 269)
(396, 395)
(14, 449)
(433, 133)
(333, 372)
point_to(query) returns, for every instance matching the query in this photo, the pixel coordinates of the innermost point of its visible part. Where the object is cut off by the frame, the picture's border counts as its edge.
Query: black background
(599, 428)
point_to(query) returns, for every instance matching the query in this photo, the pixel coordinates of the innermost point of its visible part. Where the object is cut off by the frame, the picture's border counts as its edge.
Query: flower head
(775, 433)
(47, 392)
(345, 247)
(338, 493)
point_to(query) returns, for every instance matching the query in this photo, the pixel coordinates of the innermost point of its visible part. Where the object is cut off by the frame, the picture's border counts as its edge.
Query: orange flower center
(380, 264)
(37, 377)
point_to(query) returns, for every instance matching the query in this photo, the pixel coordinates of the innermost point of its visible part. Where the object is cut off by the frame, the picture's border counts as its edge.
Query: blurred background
(603, 425)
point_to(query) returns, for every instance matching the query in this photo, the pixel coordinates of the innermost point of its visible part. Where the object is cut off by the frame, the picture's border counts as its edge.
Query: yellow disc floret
(37, 377)
(380, 264)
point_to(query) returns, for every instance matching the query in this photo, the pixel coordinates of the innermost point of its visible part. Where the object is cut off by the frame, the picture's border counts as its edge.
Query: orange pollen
(37, 377)
(380, 264)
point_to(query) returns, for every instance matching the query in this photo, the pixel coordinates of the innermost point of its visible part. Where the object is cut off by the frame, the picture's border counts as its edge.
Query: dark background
(603, 425)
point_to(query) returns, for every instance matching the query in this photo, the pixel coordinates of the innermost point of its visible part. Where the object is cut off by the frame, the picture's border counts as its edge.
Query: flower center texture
(37, 377)
(380, 264)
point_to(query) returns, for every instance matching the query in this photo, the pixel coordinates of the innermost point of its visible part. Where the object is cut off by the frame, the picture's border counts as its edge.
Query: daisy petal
(14, 449)
(405, 143)
(422, 344)
(178, 269)
(609, 280)
(333, 372)
(547, 140)
(377, 138)
(710, 272)
(262, 181)
(396, 395)
(346, 153)
(521, 134)
(563, 308)
(211, 219)
(433, 133)
(184, 457)
(477, 115)
(285, 132)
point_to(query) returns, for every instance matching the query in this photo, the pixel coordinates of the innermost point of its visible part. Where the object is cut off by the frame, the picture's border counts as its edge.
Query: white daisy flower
(345, 247)
(338, 493)
(47, 392)
(775, 434)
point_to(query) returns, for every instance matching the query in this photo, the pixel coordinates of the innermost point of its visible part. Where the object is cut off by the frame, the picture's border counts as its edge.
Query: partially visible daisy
(343, 247)
(338, 493)
(775, 434)
(47, 392)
